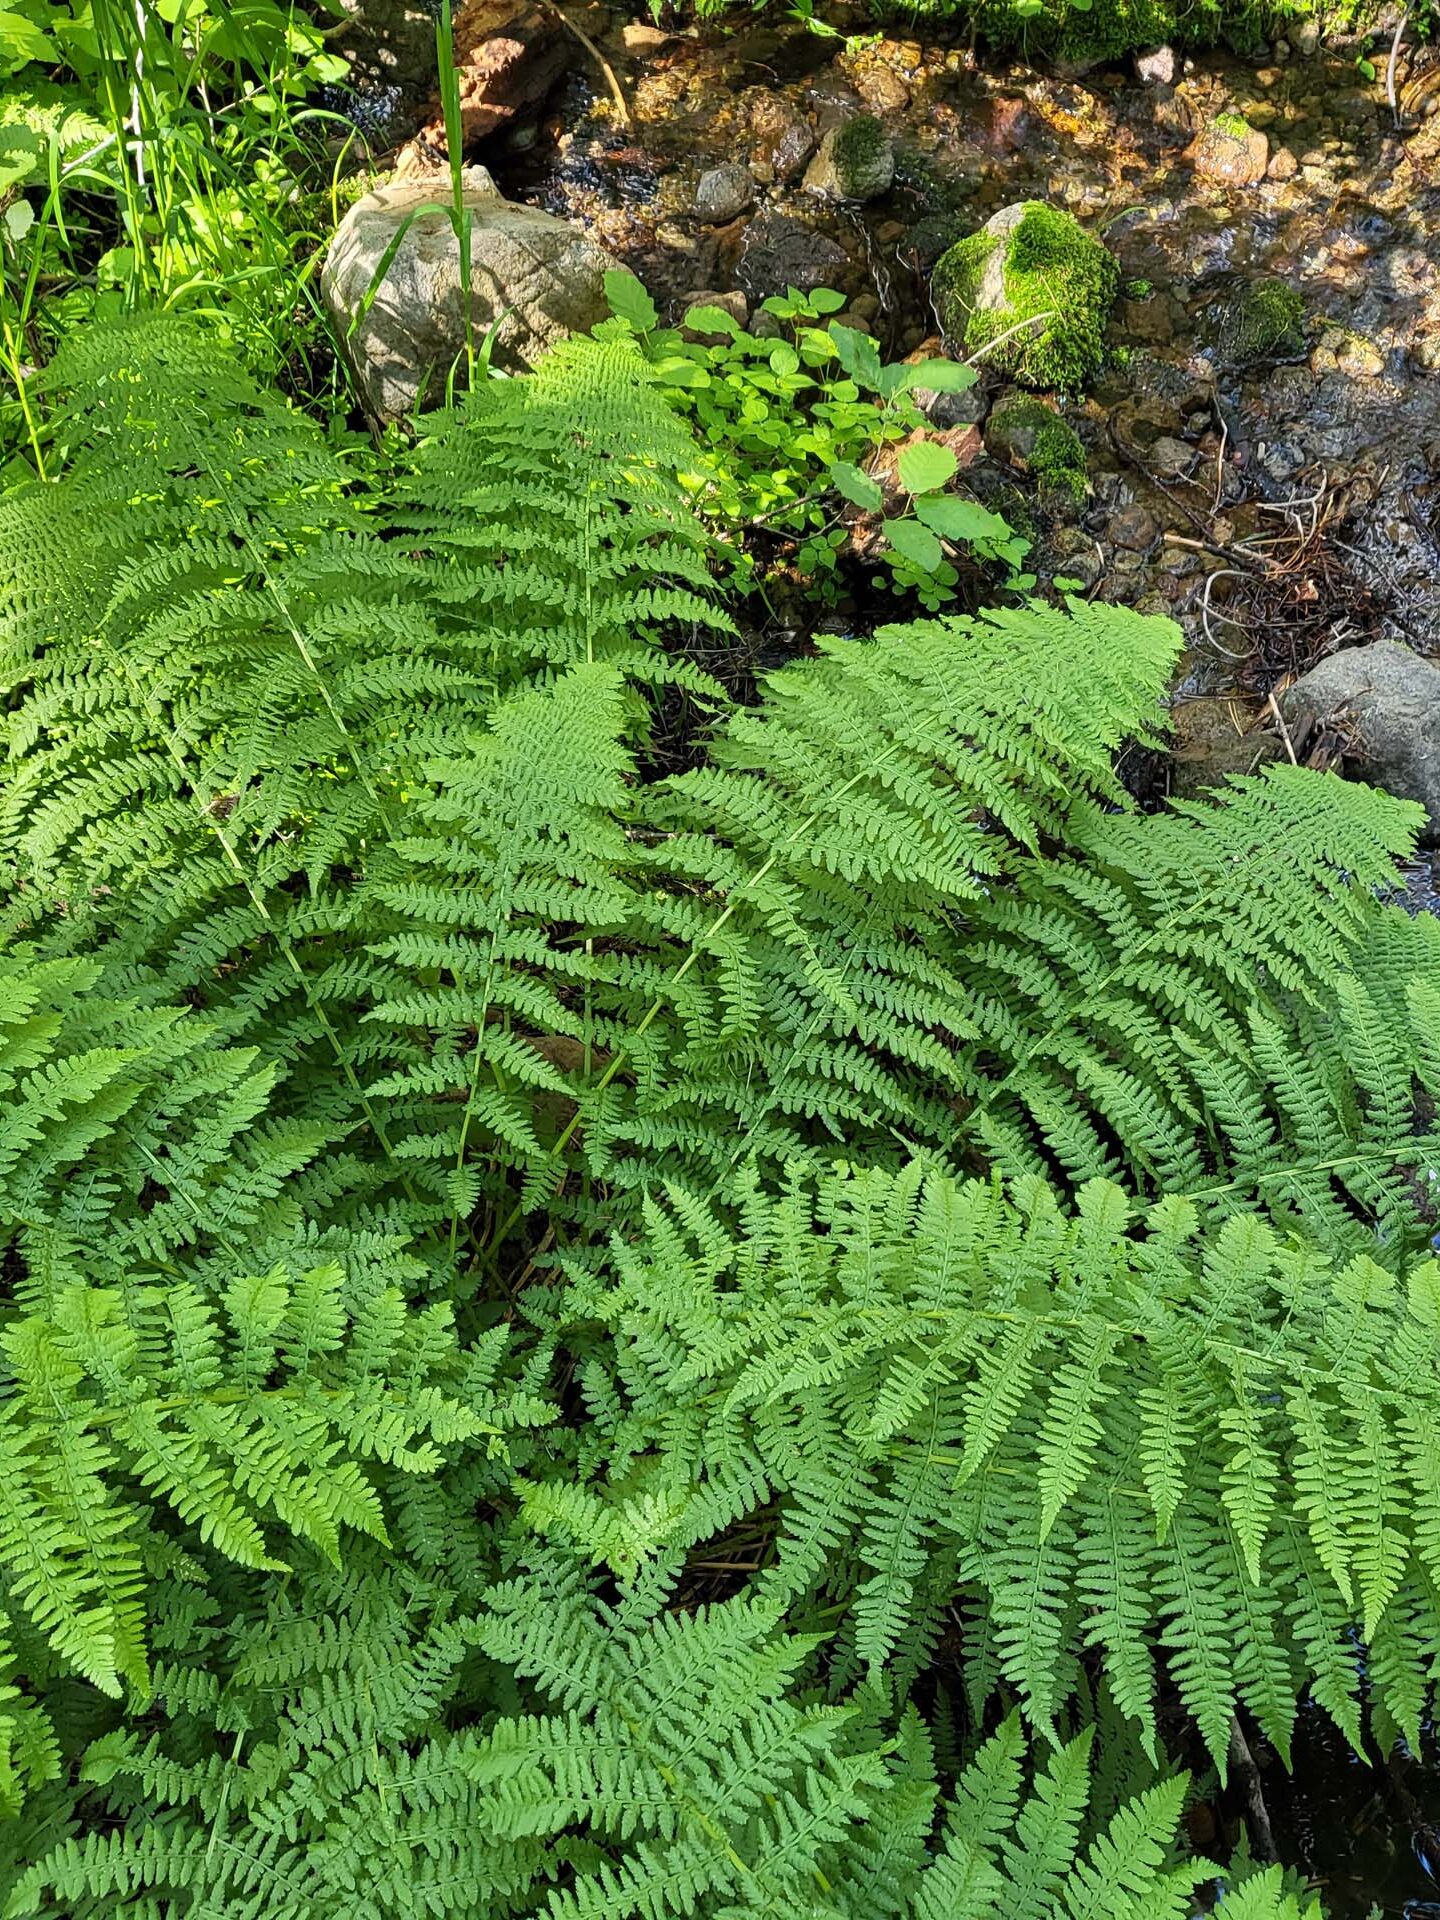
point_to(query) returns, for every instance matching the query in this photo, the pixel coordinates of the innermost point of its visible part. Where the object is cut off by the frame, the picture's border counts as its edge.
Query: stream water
(1328, 463)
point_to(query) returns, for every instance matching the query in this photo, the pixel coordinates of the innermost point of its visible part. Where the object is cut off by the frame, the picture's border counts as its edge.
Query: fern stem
(258, 902)
(625, 1053)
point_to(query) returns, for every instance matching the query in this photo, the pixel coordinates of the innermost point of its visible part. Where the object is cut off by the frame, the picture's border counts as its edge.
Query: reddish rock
(508, 55)
(1231, 151)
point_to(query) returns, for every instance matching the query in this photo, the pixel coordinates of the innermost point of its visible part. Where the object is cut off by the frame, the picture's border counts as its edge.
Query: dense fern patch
(785, 1339)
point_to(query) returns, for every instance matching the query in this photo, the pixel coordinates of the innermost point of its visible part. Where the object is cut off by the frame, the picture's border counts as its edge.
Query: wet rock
(778, 252)
(1305, 38)
(1231, 151)
(1245, 322)
(1157, 68)
(1381, 706)
(782, 140)
(1074, 555)
(1172, 459)
(1134, 528)
(1022, 432)
(508, 56)
(1341, 351)
(723, 194)
(1282, 165)
(1209, 747)
(1148, 320)
(1029, 263)
(856, 161)
(882, 90)
(533, 277)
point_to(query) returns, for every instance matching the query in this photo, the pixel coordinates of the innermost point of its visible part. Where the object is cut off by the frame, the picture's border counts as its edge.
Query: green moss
(1234, 125)
(859, 142)
(1263, 321)
(1054, 272)
(1108, 29)
(1059, 459)
(1056, 454)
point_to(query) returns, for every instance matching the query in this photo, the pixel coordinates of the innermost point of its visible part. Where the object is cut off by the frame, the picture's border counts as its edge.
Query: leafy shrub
(535, 1285)
(788, 425)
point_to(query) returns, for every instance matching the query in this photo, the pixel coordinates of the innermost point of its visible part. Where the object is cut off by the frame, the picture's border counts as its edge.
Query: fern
(664, 1768)
(542, 1299)
(1075, 1421)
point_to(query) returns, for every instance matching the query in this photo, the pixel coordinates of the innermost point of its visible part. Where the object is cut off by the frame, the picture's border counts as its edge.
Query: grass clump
(1055, 274)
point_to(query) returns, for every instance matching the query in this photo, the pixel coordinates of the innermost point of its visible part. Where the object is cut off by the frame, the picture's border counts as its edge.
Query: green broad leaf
(711, 320)
(18, 219)
(20, 157)
(783, 358)
(941, 376)
(858, 355)
(629, 300)
(955, 519)
(857, 487)
(22, 41)
(787, 305)
(915, 543)
(1064, 584)
(826, 300)
(678, 371)
(926, 467)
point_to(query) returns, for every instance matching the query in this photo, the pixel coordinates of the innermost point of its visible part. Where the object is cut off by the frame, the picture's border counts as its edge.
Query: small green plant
(790, 427)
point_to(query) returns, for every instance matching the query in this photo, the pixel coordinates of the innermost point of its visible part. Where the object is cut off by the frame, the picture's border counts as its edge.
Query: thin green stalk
(449, 80)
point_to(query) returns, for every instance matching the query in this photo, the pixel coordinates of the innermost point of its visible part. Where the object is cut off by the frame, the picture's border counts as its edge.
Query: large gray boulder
(533, 274)
(1379, 706)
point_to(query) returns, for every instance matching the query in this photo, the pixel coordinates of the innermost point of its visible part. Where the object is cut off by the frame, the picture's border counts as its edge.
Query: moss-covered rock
(1025, 433)
(1261, 320)
(855, 161)
(1029, 263)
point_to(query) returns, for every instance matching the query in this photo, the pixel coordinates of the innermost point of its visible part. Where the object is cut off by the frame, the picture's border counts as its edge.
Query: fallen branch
(621, 106)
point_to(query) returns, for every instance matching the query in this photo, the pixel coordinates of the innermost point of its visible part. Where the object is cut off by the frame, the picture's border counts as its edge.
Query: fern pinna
(1212, 1448)
(539, 1290)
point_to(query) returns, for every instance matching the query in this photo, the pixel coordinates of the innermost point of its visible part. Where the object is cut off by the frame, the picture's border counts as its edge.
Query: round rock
(532, 277)
(723, 194)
